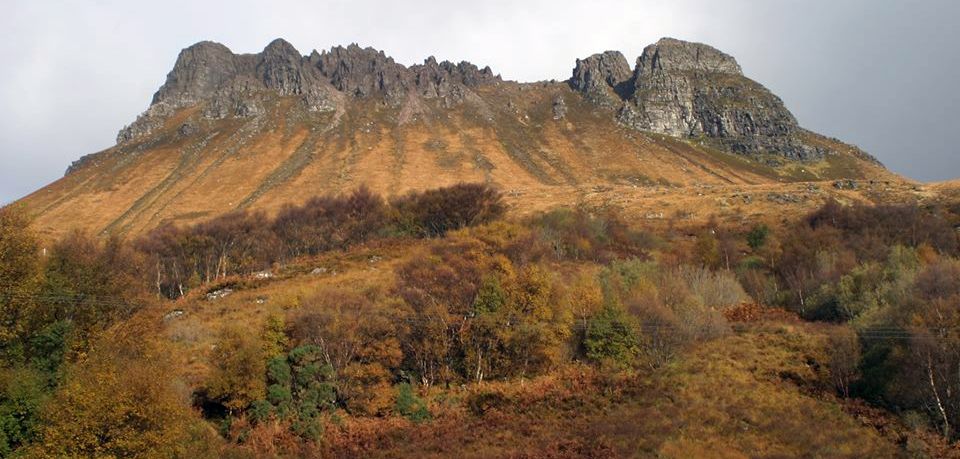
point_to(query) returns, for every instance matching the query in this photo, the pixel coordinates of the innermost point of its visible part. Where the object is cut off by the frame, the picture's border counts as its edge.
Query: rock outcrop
(200, 71)
(690, 90)
(559, 108)
(362, 72)
(600, 74)
(685, 89)
(234, 85)
(446, 80)
(670, 54)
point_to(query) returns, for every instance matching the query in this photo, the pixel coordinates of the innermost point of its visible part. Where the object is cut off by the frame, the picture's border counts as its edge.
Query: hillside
(258, 131)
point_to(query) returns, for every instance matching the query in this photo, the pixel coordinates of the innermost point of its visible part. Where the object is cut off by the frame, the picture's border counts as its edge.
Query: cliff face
(236, 85)
(604, 78)
(685, 89)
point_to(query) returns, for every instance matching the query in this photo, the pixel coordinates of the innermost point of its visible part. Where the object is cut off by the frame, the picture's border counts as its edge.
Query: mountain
(256, 131)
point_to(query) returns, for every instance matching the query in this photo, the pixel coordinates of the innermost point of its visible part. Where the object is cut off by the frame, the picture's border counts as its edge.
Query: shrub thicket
(243, 242)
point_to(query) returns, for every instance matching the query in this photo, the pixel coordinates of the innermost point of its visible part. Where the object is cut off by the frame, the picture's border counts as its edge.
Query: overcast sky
(880, 74)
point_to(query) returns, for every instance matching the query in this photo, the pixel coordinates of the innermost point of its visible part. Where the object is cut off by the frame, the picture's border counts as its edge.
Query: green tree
(301, 388)
(757, 237)
(612, 336)
(22, 394)
(483, 336)
(409, 405)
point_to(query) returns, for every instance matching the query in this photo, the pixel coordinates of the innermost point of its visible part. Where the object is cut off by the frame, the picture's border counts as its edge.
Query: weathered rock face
(234, 85)
(226, 83)
(447, 80)
(280, 67)
(597, 75)
(674, 55)
(688, 89)
(363, 72)
(200, 70)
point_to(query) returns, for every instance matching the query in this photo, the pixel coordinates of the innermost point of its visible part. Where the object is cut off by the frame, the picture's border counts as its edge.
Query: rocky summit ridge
(676, 88)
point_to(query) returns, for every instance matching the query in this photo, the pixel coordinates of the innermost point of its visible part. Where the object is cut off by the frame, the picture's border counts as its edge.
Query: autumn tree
(359, 336)
(844, 358)
(576, 234)
(91, 283)
(707, 249)
(440, 289)
(869, 230)
(935, 348)
(330, 222)
(667, 305)
(537, 325)
(121, 402)
(239, 366)
(19, 278)
(435, 212)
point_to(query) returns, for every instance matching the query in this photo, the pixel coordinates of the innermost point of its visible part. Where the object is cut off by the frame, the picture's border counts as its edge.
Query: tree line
(184, 257)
